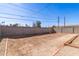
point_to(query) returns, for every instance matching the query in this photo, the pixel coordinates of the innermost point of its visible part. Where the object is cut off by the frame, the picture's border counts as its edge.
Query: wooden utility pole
(64, 21)
(58, 21)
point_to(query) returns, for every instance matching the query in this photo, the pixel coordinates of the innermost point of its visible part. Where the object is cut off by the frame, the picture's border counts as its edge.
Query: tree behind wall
(14, 25)
(37, 24)
(27, 25)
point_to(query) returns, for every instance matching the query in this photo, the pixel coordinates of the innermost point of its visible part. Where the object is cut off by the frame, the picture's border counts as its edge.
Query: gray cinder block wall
(23, 31)
(27, 31)
(67, 29)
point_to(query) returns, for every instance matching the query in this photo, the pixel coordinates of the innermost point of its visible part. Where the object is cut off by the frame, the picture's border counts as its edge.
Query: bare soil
(75, 43)
(68, 51)
(2, 47)
(49, 44)
(32, 45)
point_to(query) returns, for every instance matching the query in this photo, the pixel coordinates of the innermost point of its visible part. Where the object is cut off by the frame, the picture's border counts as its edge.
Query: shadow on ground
(1, 39)
(23, 36)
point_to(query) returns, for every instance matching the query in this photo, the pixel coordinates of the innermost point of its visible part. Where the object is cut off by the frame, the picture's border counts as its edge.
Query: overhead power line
(35, 12)
(64, 21)
(23, 19)
(58, 21)
(23, 16)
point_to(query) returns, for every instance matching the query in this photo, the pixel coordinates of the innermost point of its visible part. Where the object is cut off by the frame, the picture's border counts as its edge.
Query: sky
(47, 13)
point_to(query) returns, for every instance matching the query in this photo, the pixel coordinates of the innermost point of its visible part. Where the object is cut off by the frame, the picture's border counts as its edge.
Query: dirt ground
(75, 42)
(2, 47)
(43, 45)
(68, 51)
(31, 45)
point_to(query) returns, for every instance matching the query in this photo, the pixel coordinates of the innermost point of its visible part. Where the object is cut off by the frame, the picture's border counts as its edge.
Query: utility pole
(64, 21)
(58, 21)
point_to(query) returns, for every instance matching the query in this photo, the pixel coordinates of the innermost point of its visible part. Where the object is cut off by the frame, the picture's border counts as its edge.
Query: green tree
(38, 24)
(15, 25)
(27, 25)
